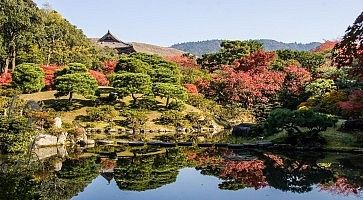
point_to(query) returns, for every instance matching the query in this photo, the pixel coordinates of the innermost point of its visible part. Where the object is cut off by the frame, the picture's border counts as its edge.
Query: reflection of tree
(148, 172)
(37, 180)
(241, 174)
(294, 175)
(235, 174)
(17, 184)
(348, 180)
(340, 186)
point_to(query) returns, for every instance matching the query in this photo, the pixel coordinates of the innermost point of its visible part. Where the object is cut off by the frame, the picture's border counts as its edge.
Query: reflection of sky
(190, 184)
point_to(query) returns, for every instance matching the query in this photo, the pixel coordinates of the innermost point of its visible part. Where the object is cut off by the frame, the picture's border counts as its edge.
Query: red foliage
(191, 88)
(109, 66)
(354, 106)
(49, 72)
(244, 87)
(183, 61)
(341, 186)
(5, 78)
(254, 61)
(296, 78)
(328, 45)
(278, 161)
(100, 77)
(250, 173)
(107, 164)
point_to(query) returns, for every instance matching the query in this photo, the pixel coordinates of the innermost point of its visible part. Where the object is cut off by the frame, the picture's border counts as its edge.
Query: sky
(166, 22)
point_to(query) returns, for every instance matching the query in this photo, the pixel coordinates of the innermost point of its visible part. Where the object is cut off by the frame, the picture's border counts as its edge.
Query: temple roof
(111, 41)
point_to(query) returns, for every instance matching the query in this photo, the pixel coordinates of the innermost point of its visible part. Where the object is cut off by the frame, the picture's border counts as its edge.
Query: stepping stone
(167, 144)
(265, 144)
(249, 145)
(236, 146)
(136, 144)
(205, 145)
(105, 142)
(221, 145)
(155, 143)
(185, 144)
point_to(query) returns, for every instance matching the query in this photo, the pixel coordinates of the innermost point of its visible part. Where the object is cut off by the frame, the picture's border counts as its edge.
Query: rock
(153, 143)
(62, 138)
(105, 142)
(185, 144)
(46, 152)
(241, 130)
(167, 144)
(236, 146)
(351, 125)
(58, 122)
(81, 134)
(221, 145)
(57, 165)
(89, 142)
(44, 140)
(205, 145)
(136, 144)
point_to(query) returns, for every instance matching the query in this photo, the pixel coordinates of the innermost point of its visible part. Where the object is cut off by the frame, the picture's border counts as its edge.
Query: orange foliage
(183, 61)
(341, 186)
(328, 45)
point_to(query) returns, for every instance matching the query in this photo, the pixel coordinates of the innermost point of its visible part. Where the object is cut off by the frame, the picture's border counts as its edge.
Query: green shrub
(15, 134)
(102, 113)
(147, 102)
(194, 117)
(28, 78)
(302, 126)
(135, 119)
(171, 117)
(9, 92)
(176, 105)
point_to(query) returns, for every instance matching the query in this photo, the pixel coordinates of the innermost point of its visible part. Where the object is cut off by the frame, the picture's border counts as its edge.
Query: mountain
(211, 46)
(158, 50)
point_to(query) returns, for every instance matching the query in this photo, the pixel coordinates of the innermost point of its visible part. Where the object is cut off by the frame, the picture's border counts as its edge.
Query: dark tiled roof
(109, 40)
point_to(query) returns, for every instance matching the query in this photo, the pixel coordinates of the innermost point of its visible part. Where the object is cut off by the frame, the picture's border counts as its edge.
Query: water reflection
(152, 170)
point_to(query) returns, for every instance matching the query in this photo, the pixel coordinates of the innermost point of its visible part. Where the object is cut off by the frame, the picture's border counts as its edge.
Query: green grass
(337, 139)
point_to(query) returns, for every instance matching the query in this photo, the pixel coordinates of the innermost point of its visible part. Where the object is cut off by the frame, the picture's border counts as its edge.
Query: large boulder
(44, 140)
(62, 139)
(351, 125)
(242, 130)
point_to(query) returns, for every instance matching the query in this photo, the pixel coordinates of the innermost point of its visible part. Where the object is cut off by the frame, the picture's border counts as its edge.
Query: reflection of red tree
(341, 186)
(203, 159)
(278, 161)
(107, 164)
(249, 173)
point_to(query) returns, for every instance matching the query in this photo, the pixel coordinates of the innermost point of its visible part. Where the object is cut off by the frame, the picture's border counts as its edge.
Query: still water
(182, 173)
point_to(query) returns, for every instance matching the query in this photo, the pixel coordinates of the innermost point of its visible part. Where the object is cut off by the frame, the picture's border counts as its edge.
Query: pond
(120, 172)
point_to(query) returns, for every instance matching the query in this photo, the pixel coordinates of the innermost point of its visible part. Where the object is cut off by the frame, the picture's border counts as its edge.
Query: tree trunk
(6, 67)
(13, 57)
(50, 51)
(134, 98)
(167, 101)
(70, 97)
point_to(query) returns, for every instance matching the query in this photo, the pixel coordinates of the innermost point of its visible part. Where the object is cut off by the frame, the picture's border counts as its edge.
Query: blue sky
(165, 22)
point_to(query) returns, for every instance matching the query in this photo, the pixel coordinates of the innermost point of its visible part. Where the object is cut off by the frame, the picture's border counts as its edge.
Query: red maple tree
(5, 78)
(49, 75)
(100, 77)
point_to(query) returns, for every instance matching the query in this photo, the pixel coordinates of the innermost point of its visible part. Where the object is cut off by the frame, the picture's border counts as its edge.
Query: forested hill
(212, 46)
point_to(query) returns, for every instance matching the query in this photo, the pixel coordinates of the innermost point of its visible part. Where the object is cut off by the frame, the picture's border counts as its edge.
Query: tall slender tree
(18, 17)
